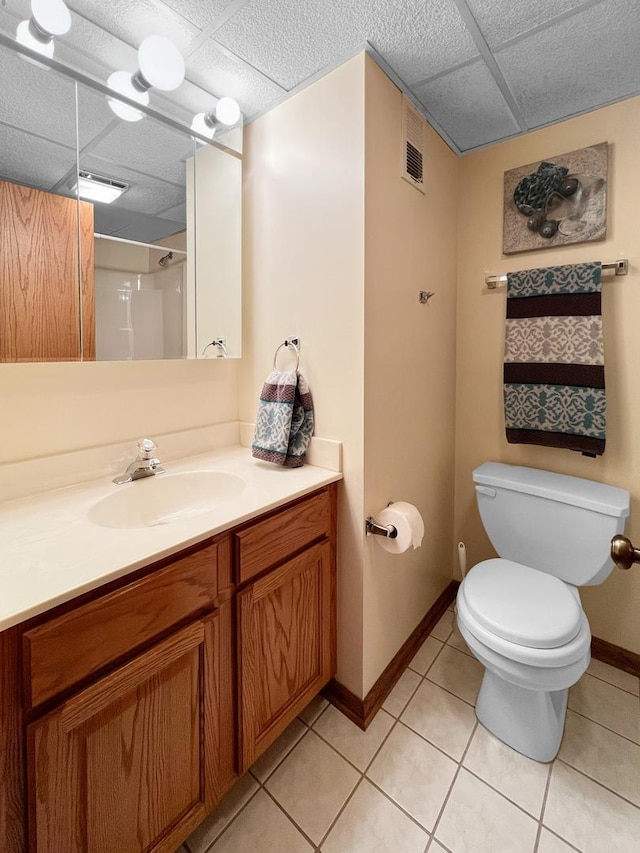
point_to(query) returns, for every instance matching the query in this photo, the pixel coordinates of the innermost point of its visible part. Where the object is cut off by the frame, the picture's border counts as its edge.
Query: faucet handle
(146, 446)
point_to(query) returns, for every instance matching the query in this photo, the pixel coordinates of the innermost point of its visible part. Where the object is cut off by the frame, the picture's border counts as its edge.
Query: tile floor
(426, 778)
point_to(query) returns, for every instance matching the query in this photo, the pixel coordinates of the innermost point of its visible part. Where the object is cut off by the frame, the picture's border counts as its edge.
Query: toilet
(520, 613)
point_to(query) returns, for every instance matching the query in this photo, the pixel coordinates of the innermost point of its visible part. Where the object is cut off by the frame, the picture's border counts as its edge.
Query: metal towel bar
(619, 267)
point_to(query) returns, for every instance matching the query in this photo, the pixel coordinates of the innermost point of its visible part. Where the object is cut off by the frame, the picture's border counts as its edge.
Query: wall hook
(425, 295)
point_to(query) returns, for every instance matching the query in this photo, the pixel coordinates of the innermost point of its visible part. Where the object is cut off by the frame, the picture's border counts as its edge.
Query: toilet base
(529, 721)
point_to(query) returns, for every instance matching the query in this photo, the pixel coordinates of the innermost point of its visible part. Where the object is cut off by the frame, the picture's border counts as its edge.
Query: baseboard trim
(362, 711)
(615, 656)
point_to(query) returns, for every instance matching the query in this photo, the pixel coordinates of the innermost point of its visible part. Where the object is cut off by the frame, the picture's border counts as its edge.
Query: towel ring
(293, 343)
(221, 343)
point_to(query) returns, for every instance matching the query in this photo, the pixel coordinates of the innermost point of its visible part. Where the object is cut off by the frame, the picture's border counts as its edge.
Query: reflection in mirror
(140, 291)
(162, 278)
(39, 281)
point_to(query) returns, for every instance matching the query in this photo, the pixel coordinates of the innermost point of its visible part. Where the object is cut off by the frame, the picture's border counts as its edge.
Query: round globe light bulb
(25, 36)
(227, 111)
(161, 63)
(51, 16)
(120, 82)
(201, 126)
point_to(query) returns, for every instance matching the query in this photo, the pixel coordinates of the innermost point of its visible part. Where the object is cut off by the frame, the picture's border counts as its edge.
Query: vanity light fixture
(227, 113)
(160, 66)
(98, 188)
(49, 18)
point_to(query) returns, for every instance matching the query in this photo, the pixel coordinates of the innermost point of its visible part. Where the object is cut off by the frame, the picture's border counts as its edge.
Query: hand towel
(284, 422)
(554, 391)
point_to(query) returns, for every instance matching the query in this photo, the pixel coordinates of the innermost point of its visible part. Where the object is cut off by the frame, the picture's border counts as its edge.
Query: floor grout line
(611, 684)
(555, 834)
(597, 782)
(602, 725)
(544, 805)
(501, 793)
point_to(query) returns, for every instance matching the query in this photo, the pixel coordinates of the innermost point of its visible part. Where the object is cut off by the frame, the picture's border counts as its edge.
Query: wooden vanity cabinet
(128, 713)
(285, 618)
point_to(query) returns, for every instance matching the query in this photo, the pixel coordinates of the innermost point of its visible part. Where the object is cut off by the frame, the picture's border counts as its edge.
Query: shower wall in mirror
(155, 273)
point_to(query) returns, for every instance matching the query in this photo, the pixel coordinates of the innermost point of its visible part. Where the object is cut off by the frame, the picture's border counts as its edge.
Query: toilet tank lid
(599, 497)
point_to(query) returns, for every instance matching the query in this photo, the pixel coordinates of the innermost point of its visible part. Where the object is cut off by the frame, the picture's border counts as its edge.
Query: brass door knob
(623, 554)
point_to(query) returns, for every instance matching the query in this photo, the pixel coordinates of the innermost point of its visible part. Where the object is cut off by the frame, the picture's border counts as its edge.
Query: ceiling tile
(500, 21)
(576, 65)
(198, 12)
(147, 147)
(134, 21)
(417, 38)
(33, 161)
(469, 106)
(213, 68)
(48, 111)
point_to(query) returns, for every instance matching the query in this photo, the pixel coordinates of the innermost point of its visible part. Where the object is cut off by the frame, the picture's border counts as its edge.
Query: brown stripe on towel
(571, 305)
(580, 443)
(534, 373)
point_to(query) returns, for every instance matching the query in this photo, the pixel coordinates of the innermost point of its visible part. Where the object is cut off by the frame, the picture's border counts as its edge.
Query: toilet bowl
(520, 614)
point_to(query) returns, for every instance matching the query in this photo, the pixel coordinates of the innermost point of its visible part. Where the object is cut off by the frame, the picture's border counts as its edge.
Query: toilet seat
(522, 605)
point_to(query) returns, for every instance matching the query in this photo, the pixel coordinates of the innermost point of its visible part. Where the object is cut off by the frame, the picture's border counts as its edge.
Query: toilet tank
(559, 524)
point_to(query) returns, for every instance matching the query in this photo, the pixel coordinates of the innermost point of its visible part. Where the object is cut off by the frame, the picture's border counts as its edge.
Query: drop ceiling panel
(134, 20)
(34, 161)
(147, 147)
(500, 21)
(48, 111)
(175, 214)
(577, 64)
(201, 13)
(218, 71)
(469, 105)
(296, 40)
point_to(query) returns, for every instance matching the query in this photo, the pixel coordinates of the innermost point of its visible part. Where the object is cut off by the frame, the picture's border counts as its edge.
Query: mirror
(155, 273)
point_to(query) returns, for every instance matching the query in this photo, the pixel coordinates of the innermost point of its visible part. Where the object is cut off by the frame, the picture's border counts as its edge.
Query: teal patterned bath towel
(284, 423)
(554, 391)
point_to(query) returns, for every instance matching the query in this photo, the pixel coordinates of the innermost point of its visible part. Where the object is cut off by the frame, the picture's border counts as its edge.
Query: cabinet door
(284, 636)
(117, 768)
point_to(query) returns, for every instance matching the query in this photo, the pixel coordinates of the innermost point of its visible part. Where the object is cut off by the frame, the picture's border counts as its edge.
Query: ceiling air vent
(413, 128)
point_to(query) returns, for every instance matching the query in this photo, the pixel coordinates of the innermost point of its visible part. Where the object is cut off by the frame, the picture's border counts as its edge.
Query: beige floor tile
(396, 701)
(458, 642)
(478, 820)
(517, 777)
(414, 774)
(458, 673)
(278, 750)
(603, 755)
(624, 680)
(426, 655)
(608, 705)
(313, 710)
(371, 823)
(588, 816)
(443, 628)
(261, 828)
(312, 784)
(550, 843)
(357, 746)
(441, 718)
(211, 827)
(436, 848)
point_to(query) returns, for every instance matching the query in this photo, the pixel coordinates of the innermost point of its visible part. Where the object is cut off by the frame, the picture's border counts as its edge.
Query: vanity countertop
(50, 552)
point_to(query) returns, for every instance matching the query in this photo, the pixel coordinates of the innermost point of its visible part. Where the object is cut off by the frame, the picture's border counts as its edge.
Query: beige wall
(409, 389)
(56, 408)
(336, 248)
(614, 606)
(303, 264)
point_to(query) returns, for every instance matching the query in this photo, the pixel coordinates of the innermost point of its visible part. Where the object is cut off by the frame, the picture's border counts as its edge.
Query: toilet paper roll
(407, 521)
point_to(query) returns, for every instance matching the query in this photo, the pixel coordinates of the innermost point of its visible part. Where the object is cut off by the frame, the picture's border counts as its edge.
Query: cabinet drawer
(67, 649)
(269, 542)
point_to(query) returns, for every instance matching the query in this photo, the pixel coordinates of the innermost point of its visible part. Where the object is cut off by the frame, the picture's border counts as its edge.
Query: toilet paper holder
(374, 529)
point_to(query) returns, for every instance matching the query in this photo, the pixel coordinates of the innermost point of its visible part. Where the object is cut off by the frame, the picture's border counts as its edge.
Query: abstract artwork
(556, 201)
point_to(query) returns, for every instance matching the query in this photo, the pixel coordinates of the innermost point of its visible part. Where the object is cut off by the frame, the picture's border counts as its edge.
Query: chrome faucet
(144, 465)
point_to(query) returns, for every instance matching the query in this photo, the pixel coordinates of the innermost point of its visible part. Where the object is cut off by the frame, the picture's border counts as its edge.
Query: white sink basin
(165, 498)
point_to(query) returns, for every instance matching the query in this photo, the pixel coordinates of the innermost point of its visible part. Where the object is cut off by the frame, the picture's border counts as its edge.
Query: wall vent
(413, 132)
